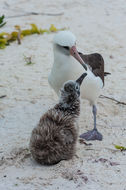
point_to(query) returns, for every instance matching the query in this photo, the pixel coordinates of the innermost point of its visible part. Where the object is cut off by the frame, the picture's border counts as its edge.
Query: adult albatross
(65, 67)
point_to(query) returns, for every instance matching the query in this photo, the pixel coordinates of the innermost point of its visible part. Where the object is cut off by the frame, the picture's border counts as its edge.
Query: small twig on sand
(113, 99)
(19, 36)
(81, 141)
(3, 96)
(34, 13)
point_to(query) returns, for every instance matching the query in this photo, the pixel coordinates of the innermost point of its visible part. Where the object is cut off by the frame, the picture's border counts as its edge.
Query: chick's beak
(81, 78)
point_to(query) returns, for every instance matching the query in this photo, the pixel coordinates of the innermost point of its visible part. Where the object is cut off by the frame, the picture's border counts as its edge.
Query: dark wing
(96, 63)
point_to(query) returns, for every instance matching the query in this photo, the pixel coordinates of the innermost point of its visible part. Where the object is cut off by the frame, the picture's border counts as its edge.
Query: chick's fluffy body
(54, 138)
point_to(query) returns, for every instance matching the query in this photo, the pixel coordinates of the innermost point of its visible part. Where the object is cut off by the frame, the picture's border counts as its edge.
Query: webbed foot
(92, 135)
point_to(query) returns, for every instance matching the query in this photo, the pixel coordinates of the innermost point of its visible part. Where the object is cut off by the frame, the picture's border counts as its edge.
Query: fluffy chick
(54, 138)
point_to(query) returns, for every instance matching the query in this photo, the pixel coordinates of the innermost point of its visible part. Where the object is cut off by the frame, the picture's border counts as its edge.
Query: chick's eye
(77, 88)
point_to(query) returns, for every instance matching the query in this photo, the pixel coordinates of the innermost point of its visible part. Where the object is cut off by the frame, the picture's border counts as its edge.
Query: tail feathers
(106, 73)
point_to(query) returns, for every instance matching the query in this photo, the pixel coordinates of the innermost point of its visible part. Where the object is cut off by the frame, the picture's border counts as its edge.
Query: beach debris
(2, 23)
(121, 148)
(104, 160)
(18, 34)
(16, 184)
(36, 13)
(76, 175)
(82, 141)
(3, 96)
(28, 60)
(113, 99)
(111, 57)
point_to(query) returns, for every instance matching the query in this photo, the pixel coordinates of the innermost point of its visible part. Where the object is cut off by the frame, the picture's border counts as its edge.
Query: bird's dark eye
(76, 88)
(66, 47)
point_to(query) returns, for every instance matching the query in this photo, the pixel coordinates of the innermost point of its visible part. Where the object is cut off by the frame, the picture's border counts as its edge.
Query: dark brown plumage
(96, 62)
(54, 138)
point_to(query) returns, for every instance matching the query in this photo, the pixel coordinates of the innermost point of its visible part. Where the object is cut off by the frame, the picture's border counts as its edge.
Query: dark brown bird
(54, 138)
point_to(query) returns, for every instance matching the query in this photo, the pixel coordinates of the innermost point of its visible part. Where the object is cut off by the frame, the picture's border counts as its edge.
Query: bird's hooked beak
(75, 54)
(81, 78)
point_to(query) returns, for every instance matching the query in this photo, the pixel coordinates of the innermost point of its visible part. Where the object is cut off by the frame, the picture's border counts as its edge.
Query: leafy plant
(18, 34)
(2, 23)
(122, 148)
(28, 60)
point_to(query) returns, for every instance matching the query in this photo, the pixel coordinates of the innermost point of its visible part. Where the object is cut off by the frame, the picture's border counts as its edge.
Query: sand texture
(100, 26)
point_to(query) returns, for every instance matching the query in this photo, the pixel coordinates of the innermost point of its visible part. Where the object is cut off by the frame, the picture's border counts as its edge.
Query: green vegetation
(122, 148)
(2, 23)
(28, 60)
(18, 34)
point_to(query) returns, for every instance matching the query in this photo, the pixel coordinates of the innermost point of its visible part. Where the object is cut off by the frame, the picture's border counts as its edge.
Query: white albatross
(66, 67)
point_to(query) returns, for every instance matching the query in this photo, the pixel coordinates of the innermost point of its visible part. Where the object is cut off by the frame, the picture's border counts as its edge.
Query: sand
(100, 26)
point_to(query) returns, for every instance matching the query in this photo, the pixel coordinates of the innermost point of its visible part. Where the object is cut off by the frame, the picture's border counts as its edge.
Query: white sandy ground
(100, 26)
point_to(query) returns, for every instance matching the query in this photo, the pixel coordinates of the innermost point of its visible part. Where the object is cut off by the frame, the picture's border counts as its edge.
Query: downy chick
(54, 138)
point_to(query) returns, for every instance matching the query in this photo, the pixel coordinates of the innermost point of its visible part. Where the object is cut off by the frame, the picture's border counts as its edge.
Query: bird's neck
(69, 105)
